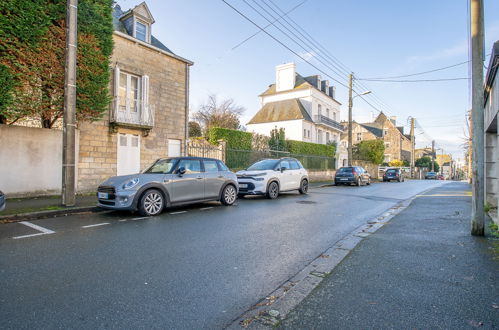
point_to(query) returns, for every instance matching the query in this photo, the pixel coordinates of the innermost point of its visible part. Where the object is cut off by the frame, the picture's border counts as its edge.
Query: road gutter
(271, 310)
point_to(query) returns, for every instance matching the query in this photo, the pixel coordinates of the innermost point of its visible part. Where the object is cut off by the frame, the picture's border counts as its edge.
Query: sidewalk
(422, 270)
(46, 206)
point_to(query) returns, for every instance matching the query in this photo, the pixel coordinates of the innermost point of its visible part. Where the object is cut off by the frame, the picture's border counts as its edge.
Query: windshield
(266, 164)
(163, 166)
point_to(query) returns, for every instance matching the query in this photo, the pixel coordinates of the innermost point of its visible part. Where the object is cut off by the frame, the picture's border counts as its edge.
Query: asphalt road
(195, 267)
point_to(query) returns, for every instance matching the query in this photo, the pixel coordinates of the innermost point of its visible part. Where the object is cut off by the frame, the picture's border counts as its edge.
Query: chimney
(332, 91)
(325, 86)
(285, 77)
(393, 119)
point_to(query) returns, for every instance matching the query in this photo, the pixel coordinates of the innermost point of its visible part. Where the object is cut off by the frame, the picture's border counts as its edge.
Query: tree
(370, 150)
(426, 162)
(215, 113)
(396, 163)
(277, 139)
(32, 44)
(194, 129)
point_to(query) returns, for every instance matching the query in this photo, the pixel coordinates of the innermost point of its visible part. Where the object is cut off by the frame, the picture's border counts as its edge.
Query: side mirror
(283, 169)
(181, 171)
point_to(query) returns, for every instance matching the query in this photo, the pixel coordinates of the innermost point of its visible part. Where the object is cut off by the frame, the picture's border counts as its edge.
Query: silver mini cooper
(170, 182)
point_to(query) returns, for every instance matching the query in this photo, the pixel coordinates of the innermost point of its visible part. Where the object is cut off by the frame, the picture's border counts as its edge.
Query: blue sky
(372, 38)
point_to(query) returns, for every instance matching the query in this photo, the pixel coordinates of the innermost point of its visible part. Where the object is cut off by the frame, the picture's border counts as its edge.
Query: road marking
(44, 231)
(179, 212)
(96, 225)
(32, 225)
(141, 218)
(206, 208)
(122, 220)
(25, 236)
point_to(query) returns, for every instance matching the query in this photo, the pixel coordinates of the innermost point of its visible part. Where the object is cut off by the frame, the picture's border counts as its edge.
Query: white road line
(25, 236)
(96, 225)
(122, 220)
(179, 212)
(206, 208)
(32, 225)
(141, 218)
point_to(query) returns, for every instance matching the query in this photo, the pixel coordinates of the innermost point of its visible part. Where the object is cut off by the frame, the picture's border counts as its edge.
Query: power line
(415, 80)
(257, 32)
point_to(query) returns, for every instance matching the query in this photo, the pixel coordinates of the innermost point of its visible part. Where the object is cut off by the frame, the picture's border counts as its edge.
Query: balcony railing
(132, 112)
(320, 119)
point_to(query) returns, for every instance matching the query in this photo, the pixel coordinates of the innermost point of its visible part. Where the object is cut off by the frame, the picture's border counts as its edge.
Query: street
(195, 267)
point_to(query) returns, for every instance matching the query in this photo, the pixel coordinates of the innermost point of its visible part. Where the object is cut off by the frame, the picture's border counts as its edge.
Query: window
(327, 113)
(319, 109)
(359, 136)
(285, 164)
(140, 31)
(210, 166)
(162, 166)
(221, 166)
(385, 132)
(294, 165)
(190, 165)
(308, 134)
(334, 115)
(304, 133)
(129, 92)
(327, 137)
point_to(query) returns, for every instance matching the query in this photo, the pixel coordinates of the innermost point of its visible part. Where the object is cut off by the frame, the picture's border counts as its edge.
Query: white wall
(30, 160)
(293, 128)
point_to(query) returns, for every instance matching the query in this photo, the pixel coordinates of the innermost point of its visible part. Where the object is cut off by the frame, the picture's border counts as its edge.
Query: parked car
(440, 177)
(352, 174)
(170, 182)
(393, 174)
(2, 201)
(431, 176)
(272, 176)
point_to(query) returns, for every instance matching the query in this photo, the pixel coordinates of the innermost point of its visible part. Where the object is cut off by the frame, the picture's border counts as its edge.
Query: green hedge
(370, 150)
(307, 148)
(235, 139)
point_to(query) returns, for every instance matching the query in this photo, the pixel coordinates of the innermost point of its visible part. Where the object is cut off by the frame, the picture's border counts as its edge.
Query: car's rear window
(345, 170)
(391, 171)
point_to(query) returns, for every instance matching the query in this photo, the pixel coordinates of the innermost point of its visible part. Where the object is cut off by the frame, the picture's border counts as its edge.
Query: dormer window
(141, 31)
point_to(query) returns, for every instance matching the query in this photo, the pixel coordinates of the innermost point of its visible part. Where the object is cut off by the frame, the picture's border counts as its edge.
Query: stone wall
(167, 82)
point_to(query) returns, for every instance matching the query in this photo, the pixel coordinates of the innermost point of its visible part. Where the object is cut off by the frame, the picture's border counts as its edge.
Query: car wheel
(359, 182)
(368, 181)
(398, 180)
(303, 187)
(151, 203)
(273, 190)
(229, 195)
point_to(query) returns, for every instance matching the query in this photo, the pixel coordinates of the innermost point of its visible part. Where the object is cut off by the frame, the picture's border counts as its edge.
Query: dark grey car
(170, 182)
(352, 174)
(2, 201)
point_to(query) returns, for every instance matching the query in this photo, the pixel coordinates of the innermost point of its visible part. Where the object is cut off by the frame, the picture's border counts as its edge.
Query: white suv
(271, 176)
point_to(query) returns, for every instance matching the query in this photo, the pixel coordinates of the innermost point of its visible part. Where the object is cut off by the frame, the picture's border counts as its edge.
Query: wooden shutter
(116, 88)
(145, 98)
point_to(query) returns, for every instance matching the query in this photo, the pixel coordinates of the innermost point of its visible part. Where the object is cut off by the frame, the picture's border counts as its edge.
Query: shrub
(370, 150)
(235, 139)
(307, 148)
(396, 163)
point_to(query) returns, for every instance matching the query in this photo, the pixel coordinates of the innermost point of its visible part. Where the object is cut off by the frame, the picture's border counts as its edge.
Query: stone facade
(168, 94)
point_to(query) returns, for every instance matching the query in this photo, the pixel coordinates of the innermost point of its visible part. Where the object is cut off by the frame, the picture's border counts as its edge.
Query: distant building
(491, 124)
(304, 106)
(397, 144)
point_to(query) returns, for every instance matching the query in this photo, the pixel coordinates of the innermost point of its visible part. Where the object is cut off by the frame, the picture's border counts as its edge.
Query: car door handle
(199, 177)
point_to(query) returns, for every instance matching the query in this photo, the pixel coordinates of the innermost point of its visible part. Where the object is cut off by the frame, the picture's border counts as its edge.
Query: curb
(271, 310)
(48, 214)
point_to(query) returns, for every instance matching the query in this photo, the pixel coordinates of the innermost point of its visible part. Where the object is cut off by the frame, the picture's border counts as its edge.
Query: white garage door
(128, 154)
(173, 148)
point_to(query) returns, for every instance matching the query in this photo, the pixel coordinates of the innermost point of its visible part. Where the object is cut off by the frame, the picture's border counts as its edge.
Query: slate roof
(373, 128)
(280, 111)
(118, 26)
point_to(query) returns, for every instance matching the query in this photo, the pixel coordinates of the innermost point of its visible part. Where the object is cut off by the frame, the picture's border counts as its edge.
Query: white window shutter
(145, 98)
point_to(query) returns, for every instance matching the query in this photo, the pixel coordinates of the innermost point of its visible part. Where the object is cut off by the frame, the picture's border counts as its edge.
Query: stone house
(491, 126)
(149, 112)
(397, 144)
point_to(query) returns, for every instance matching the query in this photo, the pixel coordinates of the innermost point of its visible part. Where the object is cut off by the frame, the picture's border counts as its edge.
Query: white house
(304, 106)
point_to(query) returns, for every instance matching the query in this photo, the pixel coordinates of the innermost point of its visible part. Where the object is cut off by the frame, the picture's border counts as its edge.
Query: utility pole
(350, 101)
(477, 48)
(413, 144)
(433, 156)
(69, 133)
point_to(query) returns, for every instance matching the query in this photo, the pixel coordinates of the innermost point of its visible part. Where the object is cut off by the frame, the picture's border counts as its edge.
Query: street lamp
(350, 105)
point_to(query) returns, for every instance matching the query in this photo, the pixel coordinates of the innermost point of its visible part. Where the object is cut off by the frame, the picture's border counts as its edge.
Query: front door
(189, 186)
(128, 154)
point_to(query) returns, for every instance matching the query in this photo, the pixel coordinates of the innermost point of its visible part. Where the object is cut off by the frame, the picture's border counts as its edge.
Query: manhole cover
(306, 202)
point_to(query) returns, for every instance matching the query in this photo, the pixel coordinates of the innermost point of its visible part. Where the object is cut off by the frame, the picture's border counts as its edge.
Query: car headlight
(259, 179)
(131, 183)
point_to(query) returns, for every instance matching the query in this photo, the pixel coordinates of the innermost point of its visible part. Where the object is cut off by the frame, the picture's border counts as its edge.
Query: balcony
(330, 123)
(132, 113)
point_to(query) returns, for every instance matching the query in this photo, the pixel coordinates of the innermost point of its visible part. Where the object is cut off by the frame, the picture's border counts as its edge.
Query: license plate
(102, 195)
(343, 179)
(243, 185)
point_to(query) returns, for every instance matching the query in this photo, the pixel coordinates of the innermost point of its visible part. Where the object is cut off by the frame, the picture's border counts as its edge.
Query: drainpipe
(186, 128)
